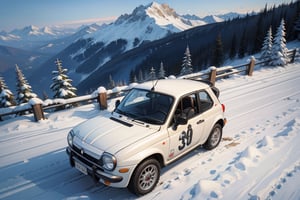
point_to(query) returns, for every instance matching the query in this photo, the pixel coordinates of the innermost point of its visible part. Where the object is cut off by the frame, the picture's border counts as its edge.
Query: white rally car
(153, 125)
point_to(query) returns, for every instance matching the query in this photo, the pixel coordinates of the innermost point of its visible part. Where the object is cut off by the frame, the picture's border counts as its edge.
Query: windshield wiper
(147, 119)
(120, 112)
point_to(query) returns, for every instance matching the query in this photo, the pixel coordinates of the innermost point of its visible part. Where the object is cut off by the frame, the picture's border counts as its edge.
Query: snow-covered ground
(258, 158)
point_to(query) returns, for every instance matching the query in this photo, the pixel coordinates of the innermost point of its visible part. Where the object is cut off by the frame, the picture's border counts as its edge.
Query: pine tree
(233, 49)
(186, 63)
(152, 74)
(61, 85)
(279, 50)
(161, 72)
(243, 46)
(6, 96)
(146, 75)
(297, 27)
(24, 91)
(141, 76)
(218, 54)
(267, 47)
(259, 36)
(111, 83)
(132, 77)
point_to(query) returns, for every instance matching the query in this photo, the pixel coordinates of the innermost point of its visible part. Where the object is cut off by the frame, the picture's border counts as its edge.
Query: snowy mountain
(89, 52)
(28, 60)
(145, 23)
(31, 37)
(212, 19)
(31, 47)
(34, 33)
(232, 15)
(56, 45)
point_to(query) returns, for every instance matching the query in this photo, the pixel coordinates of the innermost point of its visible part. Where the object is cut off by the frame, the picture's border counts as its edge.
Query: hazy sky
(21, 13)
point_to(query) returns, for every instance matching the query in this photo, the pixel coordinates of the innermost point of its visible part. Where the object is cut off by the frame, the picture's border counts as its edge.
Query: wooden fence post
(102, 98)
(213, 75)
(38, 112)
(293, 55)
(251, 67)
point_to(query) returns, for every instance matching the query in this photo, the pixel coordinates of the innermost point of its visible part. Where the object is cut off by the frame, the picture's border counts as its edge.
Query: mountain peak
(161, 10)
(145, 23)
(154, 10)
(212, 19)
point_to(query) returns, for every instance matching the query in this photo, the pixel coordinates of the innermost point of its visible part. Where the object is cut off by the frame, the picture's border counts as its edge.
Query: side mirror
(181, 119)
(117, 103)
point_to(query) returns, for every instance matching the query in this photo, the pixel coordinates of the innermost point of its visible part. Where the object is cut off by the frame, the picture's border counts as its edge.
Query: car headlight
(109, 161)
(70, 138)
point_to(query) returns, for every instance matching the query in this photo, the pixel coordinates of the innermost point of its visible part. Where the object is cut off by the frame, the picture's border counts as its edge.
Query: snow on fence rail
(101, 95)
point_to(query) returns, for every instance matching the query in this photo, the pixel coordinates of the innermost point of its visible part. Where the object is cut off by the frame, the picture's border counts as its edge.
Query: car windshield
(146, 106)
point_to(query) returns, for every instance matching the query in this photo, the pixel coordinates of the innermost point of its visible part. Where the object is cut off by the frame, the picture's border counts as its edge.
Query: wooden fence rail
(102, 96)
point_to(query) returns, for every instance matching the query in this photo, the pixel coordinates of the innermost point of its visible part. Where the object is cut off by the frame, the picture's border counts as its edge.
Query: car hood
(112, 133)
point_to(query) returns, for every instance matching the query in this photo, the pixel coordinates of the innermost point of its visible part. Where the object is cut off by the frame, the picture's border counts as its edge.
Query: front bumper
(93, 169)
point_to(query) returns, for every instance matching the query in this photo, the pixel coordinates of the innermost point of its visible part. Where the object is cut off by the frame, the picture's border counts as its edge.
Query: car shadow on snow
(50, 176)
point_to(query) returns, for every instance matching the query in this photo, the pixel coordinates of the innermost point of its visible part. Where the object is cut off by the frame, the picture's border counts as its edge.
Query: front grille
(86, 158)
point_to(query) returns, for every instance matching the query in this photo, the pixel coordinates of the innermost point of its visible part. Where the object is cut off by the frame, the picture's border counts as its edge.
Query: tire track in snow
(264, 105)
(243, 88)
(25, 185)
(262, 89)
(29, 135)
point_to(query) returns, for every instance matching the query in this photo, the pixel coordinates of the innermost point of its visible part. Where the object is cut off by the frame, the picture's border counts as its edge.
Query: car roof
(174, 87)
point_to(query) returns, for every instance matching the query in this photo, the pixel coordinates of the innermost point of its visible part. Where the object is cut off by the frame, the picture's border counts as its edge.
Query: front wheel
(214, 138)
(145, 177)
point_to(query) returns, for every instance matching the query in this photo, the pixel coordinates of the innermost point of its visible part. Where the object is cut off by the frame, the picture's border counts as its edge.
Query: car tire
(145, 177)
(214, 137)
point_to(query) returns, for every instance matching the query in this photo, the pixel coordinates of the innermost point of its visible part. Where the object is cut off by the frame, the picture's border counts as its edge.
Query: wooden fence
(101, 96)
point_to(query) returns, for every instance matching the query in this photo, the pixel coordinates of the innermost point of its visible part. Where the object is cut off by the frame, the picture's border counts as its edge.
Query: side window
(187, 105)
(205, 101)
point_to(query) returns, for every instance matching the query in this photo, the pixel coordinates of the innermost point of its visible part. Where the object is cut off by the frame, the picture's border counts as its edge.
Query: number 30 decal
(186, 138)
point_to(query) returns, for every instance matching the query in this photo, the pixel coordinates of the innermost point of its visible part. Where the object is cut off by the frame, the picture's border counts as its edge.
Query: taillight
(223, 107)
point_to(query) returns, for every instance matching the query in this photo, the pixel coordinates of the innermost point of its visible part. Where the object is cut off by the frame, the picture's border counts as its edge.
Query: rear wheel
(214, 138)
(145, 177)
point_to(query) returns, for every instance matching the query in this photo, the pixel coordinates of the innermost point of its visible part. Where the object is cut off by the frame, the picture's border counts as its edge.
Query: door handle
(200, 121)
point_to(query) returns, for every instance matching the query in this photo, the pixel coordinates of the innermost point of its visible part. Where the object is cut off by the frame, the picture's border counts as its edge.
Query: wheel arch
(156, 156)
(221, 122)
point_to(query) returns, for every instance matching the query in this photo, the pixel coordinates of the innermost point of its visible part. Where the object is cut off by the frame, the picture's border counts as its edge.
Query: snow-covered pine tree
(161, 72)
(186, 63)
(152, 73)
(24, 91)
(266, 50)
(61, 85)
(279, 50)
(6, 96)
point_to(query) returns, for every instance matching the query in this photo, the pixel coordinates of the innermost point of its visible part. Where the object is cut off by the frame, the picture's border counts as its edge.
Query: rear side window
(205, 101)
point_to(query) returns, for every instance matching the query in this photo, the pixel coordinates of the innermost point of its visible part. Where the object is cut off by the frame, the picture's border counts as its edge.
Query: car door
(206, 113)
(185, 136)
